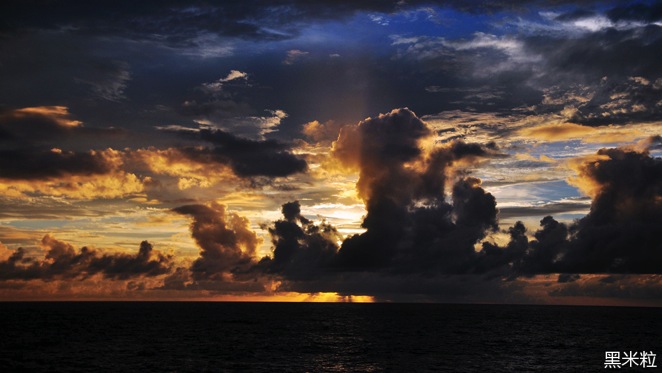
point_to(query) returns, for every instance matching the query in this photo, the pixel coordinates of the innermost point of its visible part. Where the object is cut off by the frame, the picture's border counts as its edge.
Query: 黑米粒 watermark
(630, 359)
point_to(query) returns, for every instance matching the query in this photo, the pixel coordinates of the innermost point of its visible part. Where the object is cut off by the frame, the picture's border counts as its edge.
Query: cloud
(513, 70)
(174, 162)
(112, 185)
(254, 127)
(217, 86)
(221, 105)
(146, 262)
(302, 250)
(294, 55)
(42, 128)
(621, 101)
(31, 165)
(261, 20)
(557, 132)
(5, 253)
(54, 172)
(619, 234)
(225, 240)
(55, 163)
(57, 114)
(413, 228)
(322, 132)
(111, 85)
(410, 225)
(35, 124)
(648, 13)
(247, 158)
(63, 261)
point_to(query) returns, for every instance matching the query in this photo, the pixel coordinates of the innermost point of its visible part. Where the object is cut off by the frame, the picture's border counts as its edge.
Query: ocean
(319, 337)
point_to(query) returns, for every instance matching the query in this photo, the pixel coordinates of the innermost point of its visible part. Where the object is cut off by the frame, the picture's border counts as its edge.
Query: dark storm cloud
(413, 287)
(412, 229)
(227, 244)
(147, 262)
(636, 12)
(246, 157)
(305, 255)
(45, 127)
(492, 257)
(63, 261)
(410, 226)
(302, 250)
(620, 89)
(28, 164)
(620, 234)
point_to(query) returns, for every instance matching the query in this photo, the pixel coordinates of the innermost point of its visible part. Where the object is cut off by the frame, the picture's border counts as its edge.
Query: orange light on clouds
(58, 113)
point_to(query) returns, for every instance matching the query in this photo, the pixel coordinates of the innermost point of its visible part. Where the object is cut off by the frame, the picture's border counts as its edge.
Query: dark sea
(314, 337)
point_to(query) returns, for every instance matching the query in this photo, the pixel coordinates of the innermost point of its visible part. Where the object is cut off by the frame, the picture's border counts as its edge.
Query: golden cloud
(322, 132)
(59, 114)
(106, 180)
(191, 174)
(557, 131)
(587, 185)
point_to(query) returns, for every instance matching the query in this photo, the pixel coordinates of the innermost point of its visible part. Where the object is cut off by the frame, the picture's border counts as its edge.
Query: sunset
(444, 152)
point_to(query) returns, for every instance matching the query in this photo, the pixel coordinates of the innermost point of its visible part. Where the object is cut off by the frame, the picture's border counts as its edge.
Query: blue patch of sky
(373, 31)
(536, 193)
(439, 22)
(564, 149)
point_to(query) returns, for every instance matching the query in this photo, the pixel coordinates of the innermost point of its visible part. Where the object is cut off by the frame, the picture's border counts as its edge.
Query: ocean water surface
(312, 337)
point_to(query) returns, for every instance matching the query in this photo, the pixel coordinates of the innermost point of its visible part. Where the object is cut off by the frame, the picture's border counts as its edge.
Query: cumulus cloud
(64, 261)
(425, 217)
(619, 234)
(325, 132)
(302, 249)
(227, 244)
(411, 225)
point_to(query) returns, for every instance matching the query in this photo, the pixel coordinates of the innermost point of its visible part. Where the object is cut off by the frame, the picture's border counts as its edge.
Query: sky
(385, 151)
